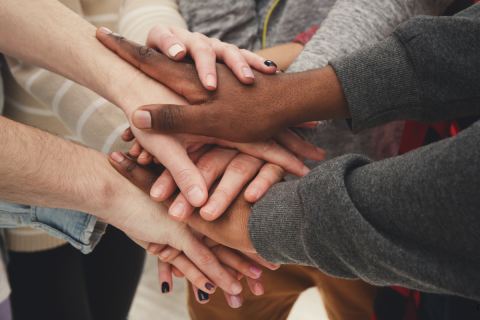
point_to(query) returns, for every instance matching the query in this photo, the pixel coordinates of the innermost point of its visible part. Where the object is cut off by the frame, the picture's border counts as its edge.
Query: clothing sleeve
(354, 24)
(428, 70)
(411, 220)
(81, 230)
(139, 16)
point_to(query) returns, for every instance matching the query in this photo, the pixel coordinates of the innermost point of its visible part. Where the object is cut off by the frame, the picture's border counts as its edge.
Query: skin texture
(283, 55)
(231, 229)
(232, 111)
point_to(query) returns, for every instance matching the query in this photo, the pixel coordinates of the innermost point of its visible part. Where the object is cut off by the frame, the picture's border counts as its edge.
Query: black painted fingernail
(269, 63)
(209, 286)
(165, 287)
(202, 296)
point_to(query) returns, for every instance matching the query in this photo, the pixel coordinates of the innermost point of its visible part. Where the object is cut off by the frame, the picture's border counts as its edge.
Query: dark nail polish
(269, 63)
(165, 287)
(202, 296)
(209, 286)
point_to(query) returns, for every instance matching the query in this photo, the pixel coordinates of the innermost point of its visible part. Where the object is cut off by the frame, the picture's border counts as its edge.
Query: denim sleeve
(81, 230)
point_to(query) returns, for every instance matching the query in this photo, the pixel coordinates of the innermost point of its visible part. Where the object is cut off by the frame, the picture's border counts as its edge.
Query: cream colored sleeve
(139, 16)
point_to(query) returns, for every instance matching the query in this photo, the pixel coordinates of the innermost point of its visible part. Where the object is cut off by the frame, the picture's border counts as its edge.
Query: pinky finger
(259, 63)
(177, 273)
(165, 277)
(235, 301)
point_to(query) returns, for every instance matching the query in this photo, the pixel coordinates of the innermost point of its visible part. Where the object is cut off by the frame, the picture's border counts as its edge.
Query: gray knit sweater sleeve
(354, 24)
(412, 220)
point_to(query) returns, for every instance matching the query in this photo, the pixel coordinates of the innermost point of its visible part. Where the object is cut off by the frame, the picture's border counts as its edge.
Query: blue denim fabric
(81, 230)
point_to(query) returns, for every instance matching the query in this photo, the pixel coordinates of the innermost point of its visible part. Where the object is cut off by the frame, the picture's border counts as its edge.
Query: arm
(348, 28)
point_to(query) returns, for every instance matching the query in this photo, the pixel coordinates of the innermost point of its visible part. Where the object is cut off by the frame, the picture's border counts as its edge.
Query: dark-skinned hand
(234, 111)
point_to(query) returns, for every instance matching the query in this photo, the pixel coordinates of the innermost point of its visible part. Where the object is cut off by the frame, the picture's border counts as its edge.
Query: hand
(172, 150)
(231, 229)
(176, 43)
(234, 112)
(235, 169)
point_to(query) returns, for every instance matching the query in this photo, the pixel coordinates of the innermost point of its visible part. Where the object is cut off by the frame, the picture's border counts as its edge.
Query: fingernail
(202, 296)
(210, 207)
(248, 73)
(165, 254)
(177, 210)
(305, 170)
(165, 287)
(236, 288)
(152, 248)
(258, 288)
(254, 192)
(236, 301)
(280, 71)
(157, 191)
(210, 81)
(209, 286)
(105, 30)
(195, 196)
(256, 271)
(117, 156)
(174, 50)
(321, 151)
(270, 63)
(142, 119)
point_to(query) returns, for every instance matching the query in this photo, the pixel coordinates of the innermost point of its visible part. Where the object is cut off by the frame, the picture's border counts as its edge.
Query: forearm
(41, 169)
(347, 28)
(51, 36)
(393, 222)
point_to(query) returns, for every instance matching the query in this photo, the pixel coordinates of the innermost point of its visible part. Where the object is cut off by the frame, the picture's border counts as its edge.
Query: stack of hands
(213, 144)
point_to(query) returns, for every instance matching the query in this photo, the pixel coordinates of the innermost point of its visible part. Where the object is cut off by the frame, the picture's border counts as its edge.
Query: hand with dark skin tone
(234, 111)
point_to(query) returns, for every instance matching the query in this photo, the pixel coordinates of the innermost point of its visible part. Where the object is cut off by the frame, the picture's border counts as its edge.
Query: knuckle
(206, 165)
(145, 52)
(218, 250)
(223, 193)
(238, 166)
(199, 36)
(270, 146)
(131, 166)
(168, 118)
(206, 258)
(183, 176)
(274, 170)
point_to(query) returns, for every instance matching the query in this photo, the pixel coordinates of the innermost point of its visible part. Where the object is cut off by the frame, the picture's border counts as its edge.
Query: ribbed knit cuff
(380, 84)
(275, 225)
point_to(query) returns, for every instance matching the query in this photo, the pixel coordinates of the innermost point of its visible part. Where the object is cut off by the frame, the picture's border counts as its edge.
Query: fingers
(161, 37)
(269, 175)
(135, 149)
(199, 47)
(272, 152)
(235, 301)
(234, 59)
(165, 185)
(211, 165)
(238, 172)
(207, 262)
(293, 142)
(177, 273)
(310, 124)
(128, 135)
(165, 277)
(258, 62)
(193, 274)
(201, 296)
(139, 176)
(232, 259)
(256, 257)
(256, 285)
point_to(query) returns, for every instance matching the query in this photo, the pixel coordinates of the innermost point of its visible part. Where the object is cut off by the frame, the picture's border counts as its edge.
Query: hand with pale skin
(243, 263)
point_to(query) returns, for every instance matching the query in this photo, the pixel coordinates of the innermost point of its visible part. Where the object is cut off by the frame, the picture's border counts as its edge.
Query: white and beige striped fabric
(40, 98)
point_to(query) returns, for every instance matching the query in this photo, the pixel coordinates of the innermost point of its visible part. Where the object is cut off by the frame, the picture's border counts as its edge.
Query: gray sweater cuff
(366, 78)
(275, 225)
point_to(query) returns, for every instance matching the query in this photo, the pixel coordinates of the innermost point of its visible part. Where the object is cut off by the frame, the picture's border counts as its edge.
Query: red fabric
(414, 133)
(304, 37)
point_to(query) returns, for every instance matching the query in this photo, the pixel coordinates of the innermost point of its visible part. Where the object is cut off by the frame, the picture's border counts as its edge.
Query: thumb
(170, 118)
